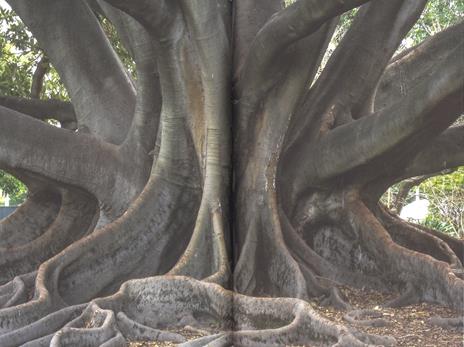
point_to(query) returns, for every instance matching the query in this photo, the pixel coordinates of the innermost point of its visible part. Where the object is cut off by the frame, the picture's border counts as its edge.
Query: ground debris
(408, 325)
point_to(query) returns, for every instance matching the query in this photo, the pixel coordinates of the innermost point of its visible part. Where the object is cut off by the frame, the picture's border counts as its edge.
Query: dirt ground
(408, 325)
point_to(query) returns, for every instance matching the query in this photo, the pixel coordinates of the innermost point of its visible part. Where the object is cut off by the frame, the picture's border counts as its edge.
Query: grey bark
(228, 172)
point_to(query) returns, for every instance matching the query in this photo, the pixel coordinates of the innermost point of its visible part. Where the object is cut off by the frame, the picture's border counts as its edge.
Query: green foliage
(12, 187)
(119, 48)
(446, 196)
(20, 54)
(19, 57)
(437, 16)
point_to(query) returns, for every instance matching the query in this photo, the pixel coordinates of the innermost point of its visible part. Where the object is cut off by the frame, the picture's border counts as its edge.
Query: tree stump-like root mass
(150, 309)
(144, 234)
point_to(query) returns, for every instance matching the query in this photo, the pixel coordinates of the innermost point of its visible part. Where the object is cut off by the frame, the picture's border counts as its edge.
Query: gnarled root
(448, 323)
(76, 217)
(416, 239)
(432, 280)
(148, 308)
(68, 278)
(369, 318)
(30, 219)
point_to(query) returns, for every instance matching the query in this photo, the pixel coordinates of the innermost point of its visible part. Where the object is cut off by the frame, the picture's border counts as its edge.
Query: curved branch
(61, 155)
(444, 152)
(291, 24)
(155, 16)
(358, 62)
(408, 68)
(249, 17)
(100, 89)
(144, 129)
(37, 79)
(434, 104)
(62, 111)
(403, 191)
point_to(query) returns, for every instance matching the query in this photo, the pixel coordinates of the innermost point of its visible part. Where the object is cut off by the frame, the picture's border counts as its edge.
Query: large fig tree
(237, 176)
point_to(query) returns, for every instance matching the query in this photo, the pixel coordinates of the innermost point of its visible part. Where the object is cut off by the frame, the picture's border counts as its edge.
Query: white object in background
(416, 210)
(7, 200)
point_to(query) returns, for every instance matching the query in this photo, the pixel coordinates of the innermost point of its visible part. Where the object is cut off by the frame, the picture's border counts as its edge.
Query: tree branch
(431, 107)
(61, 155)
(403, 191)
(142, 134)
(291, 24)
(62, 111)
(100, 89)
(444, 152)
(249, 17)
(358, 62)
(37, 79)
(408, 68)
(155, 16)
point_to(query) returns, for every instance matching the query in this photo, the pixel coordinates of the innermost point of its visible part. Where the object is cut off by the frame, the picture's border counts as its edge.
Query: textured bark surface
(229, 183)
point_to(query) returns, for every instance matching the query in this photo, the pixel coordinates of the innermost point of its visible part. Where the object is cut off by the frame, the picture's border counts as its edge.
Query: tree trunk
(231, 184)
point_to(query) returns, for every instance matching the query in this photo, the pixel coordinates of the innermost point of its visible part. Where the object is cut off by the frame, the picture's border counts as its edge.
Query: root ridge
(364, 317)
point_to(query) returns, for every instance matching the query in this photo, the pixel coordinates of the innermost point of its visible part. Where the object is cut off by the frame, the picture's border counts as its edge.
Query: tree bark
(231, 183)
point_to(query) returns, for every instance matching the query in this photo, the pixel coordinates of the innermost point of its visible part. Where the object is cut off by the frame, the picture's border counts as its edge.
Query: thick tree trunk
(234, 184)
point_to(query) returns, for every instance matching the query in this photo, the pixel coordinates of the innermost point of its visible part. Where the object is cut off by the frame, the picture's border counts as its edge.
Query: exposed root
(372, 339)
(434, 280)
(17, 291)
(145, 309)
(133, 330)
(448, 323)
(257, 274)
(369, 318)
(29, 220)
(77, 216)
(411, 237)
(42, 330)
(409, 297)
(206, 256)
(457, 245)
(68, 279)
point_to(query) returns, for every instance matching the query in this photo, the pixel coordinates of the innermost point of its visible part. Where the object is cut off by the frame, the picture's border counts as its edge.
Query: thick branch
(249, 17)
(434, 104)
(155, 16)
(100, 89)
(291, 24)
(37, 79)
(410, 67)
(142, 134)
(61, 155)
(445, 152)
(358, 64)
(404, 189)
(62, 111)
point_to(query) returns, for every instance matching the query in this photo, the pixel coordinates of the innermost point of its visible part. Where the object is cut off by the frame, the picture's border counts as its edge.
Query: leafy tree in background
(446, 196)
(443, 191)
(12, 187)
